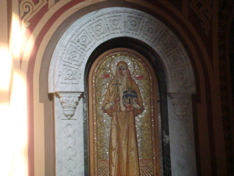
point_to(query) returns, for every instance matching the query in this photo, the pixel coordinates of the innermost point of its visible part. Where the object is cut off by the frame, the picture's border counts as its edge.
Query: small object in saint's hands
(129, 98)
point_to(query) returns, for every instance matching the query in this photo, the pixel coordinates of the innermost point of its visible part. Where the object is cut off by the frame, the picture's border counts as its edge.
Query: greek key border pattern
(87, 33)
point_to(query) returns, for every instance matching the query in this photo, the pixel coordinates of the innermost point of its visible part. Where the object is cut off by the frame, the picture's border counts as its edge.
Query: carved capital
(69, 102)
(180, 103)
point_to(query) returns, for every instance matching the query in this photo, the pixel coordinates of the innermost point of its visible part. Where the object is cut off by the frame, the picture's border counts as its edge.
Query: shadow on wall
(231, 49)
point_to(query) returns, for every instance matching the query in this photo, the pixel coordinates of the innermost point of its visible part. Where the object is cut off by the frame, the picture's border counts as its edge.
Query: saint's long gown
(123, 150)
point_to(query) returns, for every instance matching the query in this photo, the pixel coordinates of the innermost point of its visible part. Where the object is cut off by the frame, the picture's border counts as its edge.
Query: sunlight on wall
(6, 151)
(22, 40)
(5, 68)
(13, 105)
(17, 37)
(18, 108)
(13, 130)
(6, 147)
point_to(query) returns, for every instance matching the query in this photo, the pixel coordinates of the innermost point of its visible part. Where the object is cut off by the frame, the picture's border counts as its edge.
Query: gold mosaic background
(102, 76)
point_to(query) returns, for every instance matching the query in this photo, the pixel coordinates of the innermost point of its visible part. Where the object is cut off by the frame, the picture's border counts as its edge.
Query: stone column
(181, 132)
(69, 134)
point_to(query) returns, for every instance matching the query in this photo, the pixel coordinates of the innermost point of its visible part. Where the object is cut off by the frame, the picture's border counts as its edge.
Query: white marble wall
(181, 135)
(69, 140)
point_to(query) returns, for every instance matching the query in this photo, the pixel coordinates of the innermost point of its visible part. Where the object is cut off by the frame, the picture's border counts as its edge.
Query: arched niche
(158, 70)
(134, 130)
(67, 83)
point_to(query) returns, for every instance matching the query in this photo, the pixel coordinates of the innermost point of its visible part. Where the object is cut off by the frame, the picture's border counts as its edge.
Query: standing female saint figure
(123, 103)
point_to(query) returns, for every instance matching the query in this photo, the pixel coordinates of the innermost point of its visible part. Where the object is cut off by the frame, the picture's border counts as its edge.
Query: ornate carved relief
(69, 102)
(69, 134)
(180, 103)
(70, 154)
(28, 9)
(87, 33)
(203, 9)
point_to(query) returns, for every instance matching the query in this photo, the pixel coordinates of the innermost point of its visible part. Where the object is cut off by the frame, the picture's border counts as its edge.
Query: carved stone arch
(66, 81)
(82, 37)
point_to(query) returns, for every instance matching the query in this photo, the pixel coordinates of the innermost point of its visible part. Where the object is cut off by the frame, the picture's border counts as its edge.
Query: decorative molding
(69, 102)
(204, 10)
(70, 154)
(28, 9)
(180, 103)
(69, 136)
(181, 135)
(82, 38)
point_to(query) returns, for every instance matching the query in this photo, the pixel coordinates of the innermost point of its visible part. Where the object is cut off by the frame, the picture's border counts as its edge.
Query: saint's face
(122, 71)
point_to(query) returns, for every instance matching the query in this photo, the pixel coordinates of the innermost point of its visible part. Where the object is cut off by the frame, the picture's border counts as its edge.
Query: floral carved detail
(150, 30)
(69, 102)
(133, 24)
(70, 74)
(98, 28)
(115, 23)
(28, 9)
(203, 9)
(83, 39)
(180, 104)
(69, 144)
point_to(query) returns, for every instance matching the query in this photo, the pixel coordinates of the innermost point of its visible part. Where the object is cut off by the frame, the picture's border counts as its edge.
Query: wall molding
(28, 9)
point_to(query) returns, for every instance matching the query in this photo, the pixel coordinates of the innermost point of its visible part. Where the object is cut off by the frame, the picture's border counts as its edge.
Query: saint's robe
(123, 149)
